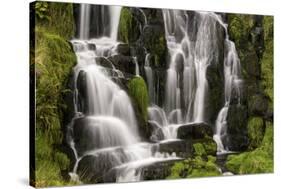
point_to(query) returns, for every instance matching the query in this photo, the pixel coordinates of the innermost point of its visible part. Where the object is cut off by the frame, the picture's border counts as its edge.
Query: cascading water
(105, 126)
(233, 81)
(186, 87)
(84, 21)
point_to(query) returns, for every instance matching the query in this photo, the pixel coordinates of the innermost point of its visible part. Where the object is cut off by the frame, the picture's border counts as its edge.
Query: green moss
(239, 27)
(196, 167)
(255, 132)
(199, 149)
(178, 170)
(209, 145)
(267, 58)
(258, 161)
(128, 30)
(57, 17)
(138, 91)
(54, 59)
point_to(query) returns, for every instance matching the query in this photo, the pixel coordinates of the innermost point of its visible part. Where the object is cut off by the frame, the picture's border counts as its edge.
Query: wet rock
(237, 137)
(195, 131)
(104, 62)
(124, 49)
(92, 46)
(123, 63)
(157, 171)
(182, 148)
(96, 168)
(82, 92)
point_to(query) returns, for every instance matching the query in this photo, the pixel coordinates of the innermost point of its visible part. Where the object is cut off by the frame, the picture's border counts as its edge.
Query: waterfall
(114, 21)
(149, 77)
(105, 126)
(84, 29)
(186, 89)
(137, 69)
(233, 81)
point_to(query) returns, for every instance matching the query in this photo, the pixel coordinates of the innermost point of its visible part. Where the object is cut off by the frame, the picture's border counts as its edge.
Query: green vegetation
(128, 31)
(255, 132)
(258, 161)
(57, 18)
(240, 27)
(54, 59)
(195, 167)
(267, 59)
(138, 91)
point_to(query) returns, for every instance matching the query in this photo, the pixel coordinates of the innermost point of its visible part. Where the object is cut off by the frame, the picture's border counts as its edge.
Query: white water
(114, 21)
(150, 79)
(84, 21)
(109, 117)
(186, 87)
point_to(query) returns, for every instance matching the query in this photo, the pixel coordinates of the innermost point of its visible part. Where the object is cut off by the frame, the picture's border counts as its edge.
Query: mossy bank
(54, 59)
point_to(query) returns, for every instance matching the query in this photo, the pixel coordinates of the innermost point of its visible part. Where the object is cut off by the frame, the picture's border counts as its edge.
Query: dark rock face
(124, 49)
(195, 131)
(97, 168)
(82, 92)
(157, 171)
(123, 63)
(182, 148)
(258, 105)
(237, 137)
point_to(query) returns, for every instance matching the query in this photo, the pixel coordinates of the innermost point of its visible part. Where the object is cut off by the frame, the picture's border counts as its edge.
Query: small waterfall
(149, 76)
(105, 125)
(84, 29)
(137, 69)
(233, 82)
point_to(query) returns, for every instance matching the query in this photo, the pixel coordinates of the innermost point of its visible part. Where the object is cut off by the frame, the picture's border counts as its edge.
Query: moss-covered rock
(137, 90)
(258, 161)
(54, 59)
(267, 59)
(199, 149)
(128, 31)
(255, 132)
(195, 167)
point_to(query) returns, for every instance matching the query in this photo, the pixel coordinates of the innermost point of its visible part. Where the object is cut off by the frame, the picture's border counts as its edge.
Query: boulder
(158, 171)
(123, 48)
(123, 63)
(195, 131)
(182, 148)
(258, 105)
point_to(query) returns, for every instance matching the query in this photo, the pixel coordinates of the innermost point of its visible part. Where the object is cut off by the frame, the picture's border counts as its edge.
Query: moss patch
(196, 167)
(138, 91)
(255, 132)
(267, 58)
(258, 161)
(128, 31)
